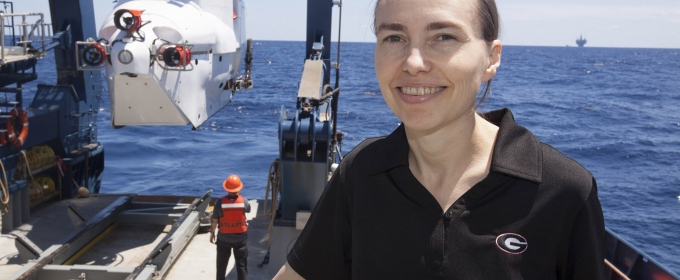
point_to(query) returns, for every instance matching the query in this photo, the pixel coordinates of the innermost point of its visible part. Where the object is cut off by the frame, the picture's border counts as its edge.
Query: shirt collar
(516, 152)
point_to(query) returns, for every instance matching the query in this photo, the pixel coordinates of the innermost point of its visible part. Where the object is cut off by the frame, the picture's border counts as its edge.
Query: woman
(450, 194)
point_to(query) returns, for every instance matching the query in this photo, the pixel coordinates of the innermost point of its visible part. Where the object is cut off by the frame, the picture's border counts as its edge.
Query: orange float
(10, 136)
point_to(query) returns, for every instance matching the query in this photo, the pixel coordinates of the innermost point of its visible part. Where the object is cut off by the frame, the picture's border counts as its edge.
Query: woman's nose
(415, 62)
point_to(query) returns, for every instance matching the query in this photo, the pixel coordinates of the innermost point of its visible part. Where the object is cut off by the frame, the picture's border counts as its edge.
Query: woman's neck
(449, 160)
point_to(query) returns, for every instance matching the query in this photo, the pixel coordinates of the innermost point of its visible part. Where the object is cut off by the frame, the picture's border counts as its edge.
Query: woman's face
(430, 59)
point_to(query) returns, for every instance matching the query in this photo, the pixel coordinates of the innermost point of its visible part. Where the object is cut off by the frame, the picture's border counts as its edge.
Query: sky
(605, 23)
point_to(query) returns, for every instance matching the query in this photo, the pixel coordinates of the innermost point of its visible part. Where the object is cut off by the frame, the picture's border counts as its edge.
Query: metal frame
(73, 242)
(24, 34)
(184, 218)
(168, 250)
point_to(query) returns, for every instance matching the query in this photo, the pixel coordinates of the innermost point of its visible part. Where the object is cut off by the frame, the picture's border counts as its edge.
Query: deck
(126, 245)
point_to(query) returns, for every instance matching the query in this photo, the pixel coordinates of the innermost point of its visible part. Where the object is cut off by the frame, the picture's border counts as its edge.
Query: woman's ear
(495, 51)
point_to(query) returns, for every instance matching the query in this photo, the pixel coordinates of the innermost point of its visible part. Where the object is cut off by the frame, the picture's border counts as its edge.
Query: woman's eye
(445, 37)
(393, 39)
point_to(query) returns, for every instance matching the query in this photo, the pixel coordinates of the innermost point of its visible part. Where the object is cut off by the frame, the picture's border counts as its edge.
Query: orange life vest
(233, 219)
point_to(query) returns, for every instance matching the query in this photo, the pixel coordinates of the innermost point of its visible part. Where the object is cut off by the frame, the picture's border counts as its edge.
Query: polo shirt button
(448, 215)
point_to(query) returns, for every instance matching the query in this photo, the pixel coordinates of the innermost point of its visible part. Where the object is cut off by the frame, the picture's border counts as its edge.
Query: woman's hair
(488, 15)
(490, 28)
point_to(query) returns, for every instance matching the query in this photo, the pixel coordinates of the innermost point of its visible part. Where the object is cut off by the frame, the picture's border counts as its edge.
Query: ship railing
(627, 262)
(29, 33)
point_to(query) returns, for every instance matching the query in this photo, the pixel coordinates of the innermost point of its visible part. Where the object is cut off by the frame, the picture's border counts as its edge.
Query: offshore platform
(581, 41)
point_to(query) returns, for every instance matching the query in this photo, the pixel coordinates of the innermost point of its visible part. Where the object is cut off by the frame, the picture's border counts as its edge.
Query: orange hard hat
(232, 184)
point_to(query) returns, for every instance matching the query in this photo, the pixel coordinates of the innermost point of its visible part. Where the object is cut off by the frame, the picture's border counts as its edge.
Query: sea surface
(616, 111)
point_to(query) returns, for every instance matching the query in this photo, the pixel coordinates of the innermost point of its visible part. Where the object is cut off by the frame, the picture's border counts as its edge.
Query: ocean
(615, 111)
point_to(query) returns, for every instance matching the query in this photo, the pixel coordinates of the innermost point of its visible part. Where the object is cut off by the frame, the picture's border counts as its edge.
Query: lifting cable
(336, 92)
(273, 183)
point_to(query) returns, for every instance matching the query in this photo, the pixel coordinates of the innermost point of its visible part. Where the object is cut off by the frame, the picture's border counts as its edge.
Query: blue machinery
(307, 139)
(62, 116)
(305, 145)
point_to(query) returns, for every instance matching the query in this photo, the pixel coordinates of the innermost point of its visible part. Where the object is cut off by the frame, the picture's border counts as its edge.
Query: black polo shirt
(535, 216)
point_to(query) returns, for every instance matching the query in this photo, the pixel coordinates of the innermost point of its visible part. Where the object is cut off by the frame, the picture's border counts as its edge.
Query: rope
(270, 210)
(273, 186)
(38, 156)
(25, 168)
(5, 192)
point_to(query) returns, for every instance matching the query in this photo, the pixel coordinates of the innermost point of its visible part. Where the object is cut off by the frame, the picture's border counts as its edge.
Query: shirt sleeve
(323, 250)
(217, 209)
(246, 205)
(587, 243)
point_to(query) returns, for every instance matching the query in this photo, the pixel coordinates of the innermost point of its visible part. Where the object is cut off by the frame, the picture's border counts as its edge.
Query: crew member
(230, 212)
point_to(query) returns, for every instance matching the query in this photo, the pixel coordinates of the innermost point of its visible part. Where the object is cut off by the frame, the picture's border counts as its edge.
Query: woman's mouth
(420, 90)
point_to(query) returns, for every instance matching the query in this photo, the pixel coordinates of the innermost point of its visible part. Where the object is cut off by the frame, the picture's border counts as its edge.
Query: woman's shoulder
(519, 153)
(392, 147)
(363, 152)
(565, 174)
